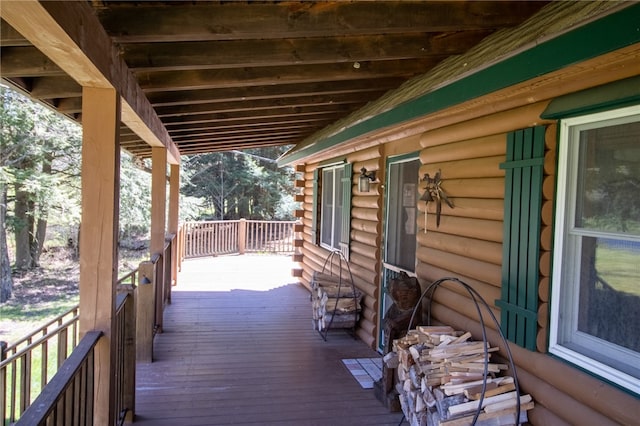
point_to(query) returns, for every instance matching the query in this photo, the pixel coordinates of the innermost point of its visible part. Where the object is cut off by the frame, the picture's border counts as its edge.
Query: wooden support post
(129, 372)
(99, 236)
(174, 219)
(145, 312)
(158, 209)
(242, 236)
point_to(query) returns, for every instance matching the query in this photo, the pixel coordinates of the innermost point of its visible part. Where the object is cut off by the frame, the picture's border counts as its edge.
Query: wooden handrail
(38, 342)
(45, 404)
(43, 328)
(210, 238)
(18, 360)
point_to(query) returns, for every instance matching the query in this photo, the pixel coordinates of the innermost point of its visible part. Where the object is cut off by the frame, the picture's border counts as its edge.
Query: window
(332, 206)
(331, 216)
(595, 312)
(401, 223)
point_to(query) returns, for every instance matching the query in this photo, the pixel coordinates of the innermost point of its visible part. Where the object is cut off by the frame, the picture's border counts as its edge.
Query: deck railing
(210, 238)
(28, 365)
(69, 396)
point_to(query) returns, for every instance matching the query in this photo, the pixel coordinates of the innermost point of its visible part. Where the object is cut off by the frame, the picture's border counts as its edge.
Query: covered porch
(238, 348)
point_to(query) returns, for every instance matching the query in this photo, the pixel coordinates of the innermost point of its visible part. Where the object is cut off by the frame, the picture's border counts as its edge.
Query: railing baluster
(222, 237)
(3, 383)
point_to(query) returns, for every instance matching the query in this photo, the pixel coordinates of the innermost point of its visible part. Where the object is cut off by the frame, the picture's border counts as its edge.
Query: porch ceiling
(234, 75)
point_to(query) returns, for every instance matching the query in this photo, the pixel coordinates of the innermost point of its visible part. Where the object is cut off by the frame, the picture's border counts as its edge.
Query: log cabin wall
(467, 143)
(366, 220)
(468, 245)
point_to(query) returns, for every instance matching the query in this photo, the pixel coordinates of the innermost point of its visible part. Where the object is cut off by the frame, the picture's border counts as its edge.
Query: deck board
(238, 348)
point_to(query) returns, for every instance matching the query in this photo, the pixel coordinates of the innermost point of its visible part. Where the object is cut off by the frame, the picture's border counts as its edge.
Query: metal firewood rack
(336, 257)
(479, 303)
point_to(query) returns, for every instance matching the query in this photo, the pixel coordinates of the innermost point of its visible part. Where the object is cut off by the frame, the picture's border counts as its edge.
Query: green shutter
(345, 231)
(521, 241)
(314, 212)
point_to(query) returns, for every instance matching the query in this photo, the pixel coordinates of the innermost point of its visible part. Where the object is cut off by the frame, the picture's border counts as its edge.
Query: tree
(39, 157)
(135, 197)
(240, 184)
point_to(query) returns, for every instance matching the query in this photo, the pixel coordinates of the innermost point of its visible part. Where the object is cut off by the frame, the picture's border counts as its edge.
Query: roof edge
(587, 41)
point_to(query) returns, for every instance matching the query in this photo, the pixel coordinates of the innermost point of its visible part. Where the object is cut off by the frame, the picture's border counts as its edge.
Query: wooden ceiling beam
(223, 146)
(69, 105)
(26, 61)
(222, 136)
(301, 101)
(145, 152)
(241, 137)
(272, 91)
(319, 50)
(130, 22)
(70, 34)
(55, 87)
(10, 37)
(245, 131)
(247, 77)
(240, 123)
(266, 114)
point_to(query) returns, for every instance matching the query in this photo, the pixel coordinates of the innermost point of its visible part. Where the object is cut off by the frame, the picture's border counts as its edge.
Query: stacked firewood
(441, 374)
(335, 302)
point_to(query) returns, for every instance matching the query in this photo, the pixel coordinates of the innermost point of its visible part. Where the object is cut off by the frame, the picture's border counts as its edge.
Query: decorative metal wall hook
(365, 180)
(434, 192)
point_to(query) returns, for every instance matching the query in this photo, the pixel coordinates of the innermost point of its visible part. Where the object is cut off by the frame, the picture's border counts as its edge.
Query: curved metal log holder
(478, 302)
(331, 258)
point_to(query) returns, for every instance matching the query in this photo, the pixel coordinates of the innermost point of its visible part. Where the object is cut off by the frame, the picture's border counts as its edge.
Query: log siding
(467, 143)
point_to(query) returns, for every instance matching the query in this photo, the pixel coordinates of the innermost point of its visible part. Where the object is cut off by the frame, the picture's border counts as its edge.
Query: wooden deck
(238, 348)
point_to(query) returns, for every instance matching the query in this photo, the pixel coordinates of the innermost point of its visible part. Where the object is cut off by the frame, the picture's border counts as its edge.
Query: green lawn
(620, 269)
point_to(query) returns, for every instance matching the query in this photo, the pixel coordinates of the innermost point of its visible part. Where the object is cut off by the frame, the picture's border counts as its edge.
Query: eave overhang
(618, 29)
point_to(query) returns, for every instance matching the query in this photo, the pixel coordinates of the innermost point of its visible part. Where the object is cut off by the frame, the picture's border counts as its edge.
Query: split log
(372, 215)
(482, 271)
(367, 238)
(364, 225)
(375, 152)
(368, 200)
(466, 168)
(483, 187)
(502, 122)
(441, 379)
(582, 400)
(475, 208)
(486, 146)
(488, 230)
(486, 251)
(335, 302)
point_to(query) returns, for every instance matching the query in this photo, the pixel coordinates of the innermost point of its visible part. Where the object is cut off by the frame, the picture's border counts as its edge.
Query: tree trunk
(6, 281)
(23, 230)
(43, 214)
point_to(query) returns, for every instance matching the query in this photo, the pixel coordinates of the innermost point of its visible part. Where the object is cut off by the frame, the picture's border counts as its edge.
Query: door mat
(364, 370)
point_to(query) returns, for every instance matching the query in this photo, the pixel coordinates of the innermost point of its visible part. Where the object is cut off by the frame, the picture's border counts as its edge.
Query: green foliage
(234, 185)
(135, 198)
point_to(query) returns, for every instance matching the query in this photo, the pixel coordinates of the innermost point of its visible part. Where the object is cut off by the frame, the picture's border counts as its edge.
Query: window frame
(336, 231)
(342, 192)
(567, 241)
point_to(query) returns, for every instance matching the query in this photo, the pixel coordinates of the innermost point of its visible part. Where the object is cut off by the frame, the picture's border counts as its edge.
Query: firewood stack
(334, 296)
(440, 377)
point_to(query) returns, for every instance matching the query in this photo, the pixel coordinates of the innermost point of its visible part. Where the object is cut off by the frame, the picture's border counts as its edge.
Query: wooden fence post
(145, 312)
(242, 236)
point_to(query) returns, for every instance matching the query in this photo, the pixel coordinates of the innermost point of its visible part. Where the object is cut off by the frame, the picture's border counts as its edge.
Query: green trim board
(314, 206)
(345, 222)
(609, 33)
(521, 238)
(608, 96)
